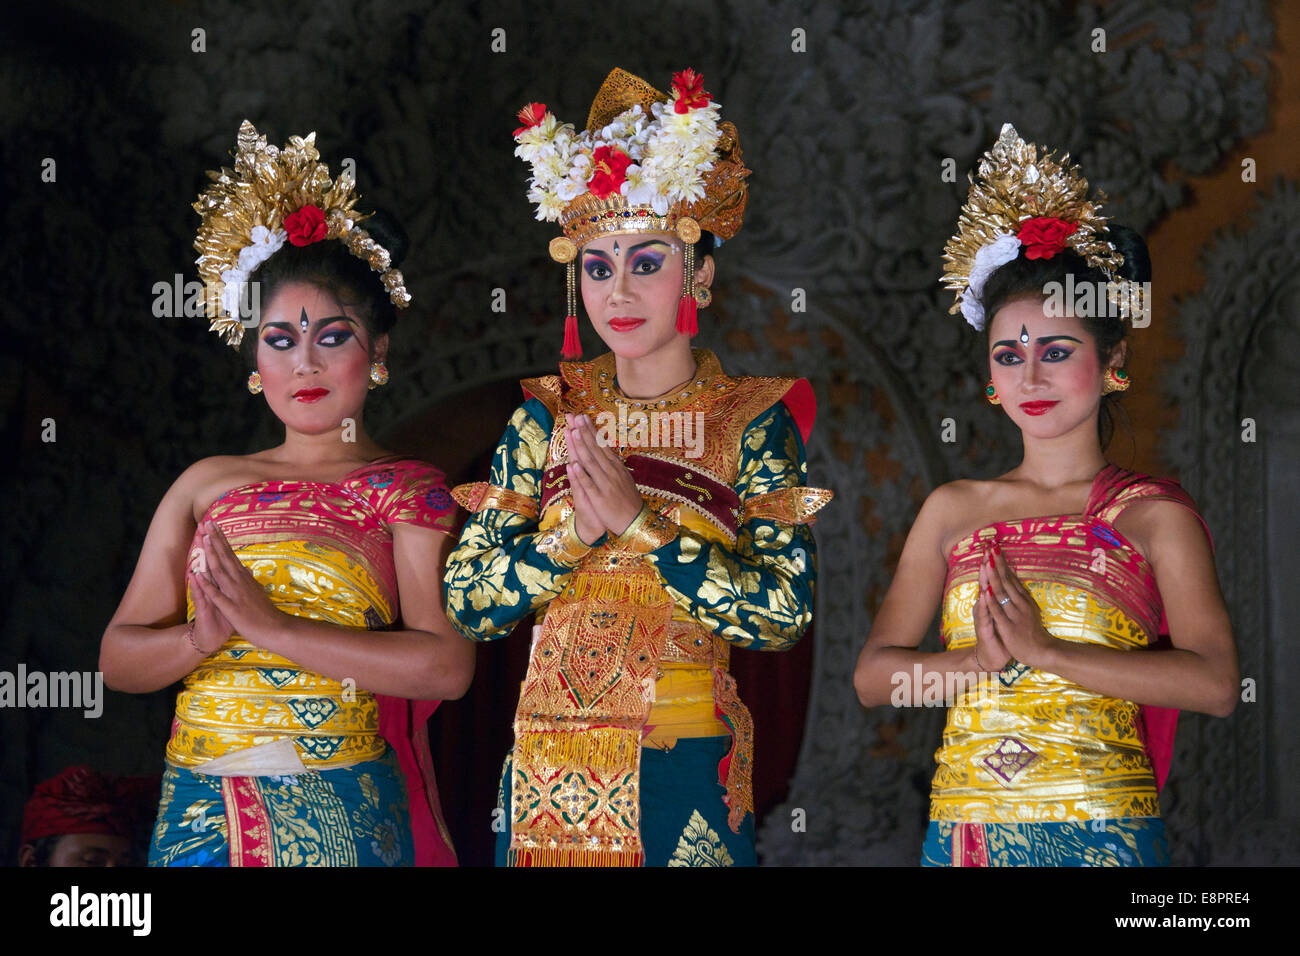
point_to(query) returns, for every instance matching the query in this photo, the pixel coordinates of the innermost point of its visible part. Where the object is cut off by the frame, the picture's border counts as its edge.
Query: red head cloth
(79, 800)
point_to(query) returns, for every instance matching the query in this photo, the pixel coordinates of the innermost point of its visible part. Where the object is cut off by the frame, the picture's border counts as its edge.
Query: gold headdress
(272, 195)
(646, 162)
(1030, 201)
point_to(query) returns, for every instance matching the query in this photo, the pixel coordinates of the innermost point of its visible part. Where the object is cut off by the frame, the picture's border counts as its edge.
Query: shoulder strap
(1116, 488)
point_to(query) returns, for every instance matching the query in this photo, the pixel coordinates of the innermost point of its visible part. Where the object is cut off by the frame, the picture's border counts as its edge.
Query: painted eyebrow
(649, 242)
(1041, 341)
(631, 249)
(289, 327)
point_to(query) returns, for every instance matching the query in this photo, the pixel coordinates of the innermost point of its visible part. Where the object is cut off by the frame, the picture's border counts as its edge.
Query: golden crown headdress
(272, 195)
(647, 162)
(1024, 200)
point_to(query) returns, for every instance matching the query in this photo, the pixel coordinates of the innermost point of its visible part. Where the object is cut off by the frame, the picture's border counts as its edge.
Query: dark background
(848, 141)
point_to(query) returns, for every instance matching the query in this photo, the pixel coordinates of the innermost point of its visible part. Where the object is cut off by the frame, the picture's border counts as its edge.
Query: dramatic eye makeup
(648, 261)
(1054, 352)
(1006, 352)
(274, 336)
(643, 259)
(596, 266)
(336, 335)
(281, 336)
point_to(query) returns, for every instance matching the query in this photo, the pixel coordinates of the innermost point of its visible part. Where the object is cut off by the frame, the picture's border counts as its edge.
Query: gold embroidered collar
(595, 383)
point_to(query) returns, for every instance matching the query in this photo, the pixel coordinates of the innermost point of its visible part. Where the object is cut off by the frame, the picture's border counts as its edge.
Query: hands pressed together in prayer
(1008, 621)
(227, 598)
(605, 497)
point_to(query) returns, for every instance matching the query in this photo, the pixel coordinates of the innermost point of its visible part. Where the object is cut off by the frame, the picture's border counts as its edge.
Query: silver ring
(1005, 600)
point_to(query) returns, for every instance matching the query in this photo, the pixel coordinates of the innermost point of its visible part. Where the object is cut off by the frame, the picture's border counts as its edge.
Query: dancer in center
(648, 507)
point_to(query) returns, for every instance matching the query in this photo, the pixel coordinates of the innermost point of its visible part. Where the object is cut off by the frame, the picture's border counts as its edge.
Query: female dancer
(308, 627)
(651, 508)
(1055, 575)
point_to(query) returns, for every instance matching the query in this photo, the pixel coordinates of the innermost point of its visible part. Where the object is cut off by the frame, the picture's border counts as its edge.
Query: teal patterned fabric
(352, 816)
(757, 593)
(683, 817)
(1135, 841)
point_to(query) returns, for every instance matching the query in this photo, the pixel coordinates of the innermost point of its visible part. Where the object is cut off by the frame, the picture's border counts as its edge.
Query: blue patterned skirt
(353, 816)
(1134, 841)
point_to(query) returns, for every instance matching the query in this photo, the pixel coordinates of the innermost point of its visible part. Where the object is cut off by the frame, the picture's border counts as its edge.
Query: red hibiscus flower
(530, 116)
(305, 226)
(689, 87)
(609, 168)
(1044, 236)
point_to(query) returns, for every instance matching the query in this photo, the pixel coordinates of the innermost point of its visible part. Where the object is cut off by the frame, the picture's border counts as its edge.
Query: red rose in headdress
(305, 226)
(530, 116)
(609, 165)
(689, 87)
(1044, 236)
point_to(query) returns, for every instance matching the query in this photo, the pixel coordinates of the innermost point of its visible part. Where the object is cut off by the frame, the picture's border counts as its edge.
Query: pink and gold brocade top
(1034, 746)
(322, 550)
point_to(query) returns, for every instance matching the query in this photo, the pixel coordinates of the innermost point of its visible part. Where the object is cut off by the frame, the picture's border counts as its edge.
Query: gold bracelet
(649, 531)
(563, 545)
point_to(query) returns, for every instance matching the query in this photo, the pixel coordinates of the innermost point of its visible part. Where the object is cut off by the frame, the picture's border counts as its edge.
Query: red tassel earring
(688, 309)
(563, 250)
(572, 348)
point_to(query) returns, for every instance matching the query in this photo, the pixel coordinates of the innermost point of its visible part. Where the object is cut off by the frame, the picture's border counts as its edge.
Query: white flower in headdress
(670, 150)
(990, 256)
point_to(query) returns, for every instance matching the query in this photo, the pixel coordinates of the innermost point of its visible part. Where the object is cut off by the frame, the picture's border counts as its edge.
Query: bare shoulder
(956, 496)
(209, 478)
(947, 512)
(958, 500)
(1159, 527)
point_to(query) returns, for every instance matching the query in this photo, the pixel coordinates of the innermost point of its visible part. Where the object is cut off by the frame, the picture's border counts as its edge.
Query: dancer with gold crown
(295, 590)
(1080, 605)
(649, 507)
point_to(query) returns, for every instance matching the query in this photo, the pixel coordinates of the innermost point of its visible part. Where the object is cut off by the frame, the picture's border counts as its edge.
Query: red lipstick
(625, 324)
(1037, 408)
(310, 394)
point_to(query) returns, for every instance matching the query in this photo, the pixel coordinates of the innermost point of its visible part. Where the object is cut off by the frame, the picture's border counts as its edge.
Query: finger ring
(1005, 600)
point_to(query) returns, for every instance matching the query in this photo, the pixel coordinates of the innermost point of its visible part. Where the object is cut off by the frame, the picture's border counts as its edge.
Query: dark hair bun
(1137, 260)
(388, 232)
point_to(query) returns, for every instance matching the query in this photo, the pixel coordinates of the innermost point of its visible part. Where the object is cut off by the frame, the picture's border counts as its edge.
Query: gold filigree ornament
(273, 194)
(1022, 199)
(647, 162)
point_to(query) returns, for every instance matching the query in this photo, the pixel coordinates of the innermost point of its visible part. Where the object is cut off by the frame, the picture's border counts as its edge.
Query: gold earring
(1115, 380)
(255, 383)
(991, 394)
(703, 297)
(378, 375)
